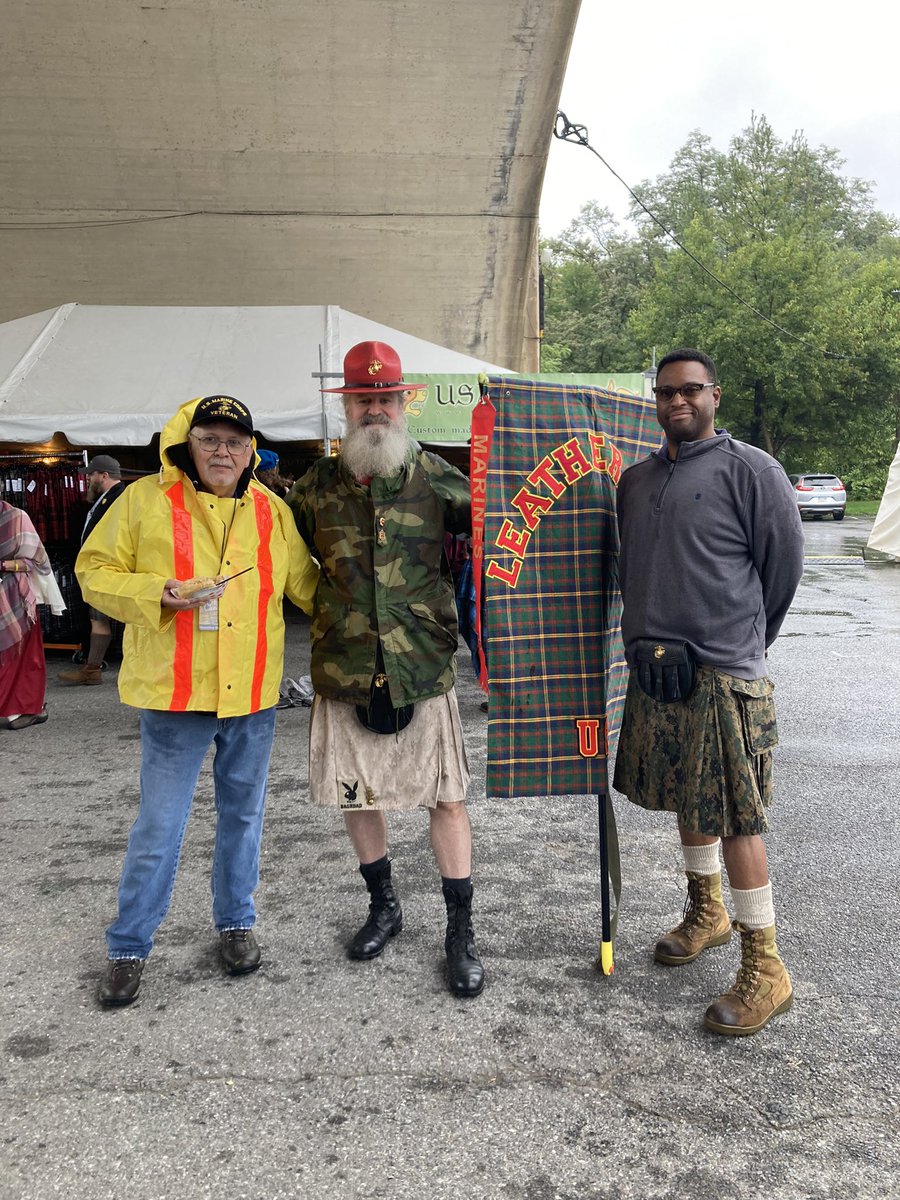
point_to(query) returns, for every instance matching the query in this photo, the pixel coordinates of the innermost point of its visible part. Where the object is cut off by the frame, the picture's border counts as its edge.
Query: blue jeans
(173, 748)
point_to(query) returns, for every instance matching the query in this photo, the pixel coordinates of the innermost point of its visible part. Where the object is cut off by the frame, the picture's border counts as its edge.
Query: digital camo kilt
(708, 759)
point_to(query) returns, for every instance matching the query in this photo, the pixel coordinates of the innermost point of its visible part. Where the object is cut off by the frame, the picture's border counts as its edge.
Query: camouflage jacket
(384, 576)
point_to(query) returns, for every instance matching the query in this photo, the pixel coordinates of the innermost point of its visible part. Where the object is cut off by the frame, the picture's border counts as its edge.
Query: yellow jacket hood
(175, 456)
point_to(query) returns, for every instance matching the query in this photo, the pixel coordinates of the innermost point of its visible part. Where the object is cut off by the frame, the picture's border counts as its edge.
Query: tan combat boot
(761, 991)
(706, 923)
(86, 674)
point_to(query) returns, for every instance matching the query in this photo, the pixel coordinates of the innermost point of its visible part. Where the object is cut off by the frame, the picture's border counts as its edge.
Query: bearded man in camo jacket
(385, 732)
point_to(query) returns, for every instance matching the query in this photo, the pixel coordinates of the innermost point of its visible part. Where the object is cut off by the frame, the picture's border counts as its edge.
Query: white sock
(753, 907)
(702, 860)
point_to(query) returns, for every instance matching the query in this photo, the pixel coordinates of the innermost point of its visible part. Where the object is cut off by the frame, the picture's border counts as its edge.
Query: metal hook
(567, 132)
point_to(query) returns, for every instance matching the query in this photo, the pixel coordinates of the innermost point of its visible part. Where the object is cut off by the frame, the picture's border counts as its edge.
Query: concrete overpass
(382, 155)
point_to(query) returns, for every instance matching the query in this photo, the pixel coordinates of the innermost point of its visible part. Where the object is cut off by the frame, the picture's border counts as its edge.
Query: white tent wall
(113, 375)
(885, 535)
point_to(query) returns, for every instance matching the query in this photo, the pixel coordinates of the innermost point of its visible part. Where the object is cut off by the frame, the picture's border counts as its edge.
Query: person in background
(196, 561)
(385, 732)
(459, 555)
(104, 477)
(711, 555)
(23, 673)
(268, 473)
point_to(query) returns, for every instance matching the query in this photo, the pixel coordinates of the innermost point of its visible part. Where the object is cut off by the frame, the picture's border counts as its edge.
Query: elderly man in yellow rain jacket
(196, 562)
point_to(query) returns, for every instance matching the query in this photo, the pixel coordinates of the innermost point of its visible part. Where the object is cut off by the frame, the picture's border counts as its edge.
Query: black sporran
(666, 670)
(379, 714)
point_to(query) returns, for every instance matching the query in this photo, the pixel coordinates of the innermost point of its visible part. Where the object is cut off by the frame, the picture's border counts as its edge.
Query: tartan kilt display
(546, 459)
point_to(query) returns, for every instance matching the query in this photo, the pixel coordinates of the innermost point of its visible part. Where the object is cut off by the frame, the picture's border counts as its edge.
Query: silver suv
(820, 494)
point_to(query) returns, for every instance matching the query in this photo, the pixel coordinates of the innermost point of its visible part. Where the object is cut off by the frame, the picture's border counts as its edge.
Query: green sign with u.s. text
(443, 412)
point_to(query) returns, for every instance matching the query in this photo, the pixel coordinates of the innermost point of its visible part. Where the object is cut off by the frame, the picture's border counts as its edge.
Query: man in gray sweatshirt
(711, 555)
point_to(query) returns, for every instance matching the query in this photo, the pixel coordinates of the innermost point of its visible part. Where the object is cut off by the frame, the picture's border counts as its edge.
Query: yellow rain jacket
(162, 527)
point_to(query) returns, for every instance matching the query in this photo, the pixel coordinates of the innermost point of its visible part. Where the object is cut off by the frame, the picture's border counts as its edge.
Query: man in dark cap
(196, 561)
(385, 732)
(104, 480)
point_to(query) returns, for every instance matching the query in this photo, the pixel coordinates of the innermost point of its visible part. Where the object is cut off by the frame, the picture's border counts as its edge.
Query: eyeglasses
(210, 444)
(690, 391)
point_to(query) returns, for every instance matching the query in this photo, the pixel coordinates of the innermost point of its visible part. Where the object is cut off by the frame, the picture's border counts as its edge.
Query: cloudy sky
(643, 74)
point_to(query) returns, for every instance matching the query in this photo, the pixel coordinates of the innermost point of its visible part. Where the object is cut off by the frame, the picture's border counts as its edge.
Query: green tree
(593, 278)
(864, 452)
(811, 353)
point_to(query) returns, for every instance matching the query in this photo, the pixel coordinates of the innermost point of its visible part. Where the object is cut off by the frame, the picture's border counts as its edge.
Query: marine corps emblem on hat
(222, 408)
(371, 366)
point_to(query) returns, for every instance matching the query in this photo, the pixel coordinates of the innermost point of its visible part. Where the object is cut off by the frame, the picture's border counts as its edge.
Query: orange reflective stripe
(266, 588)
(183, 541)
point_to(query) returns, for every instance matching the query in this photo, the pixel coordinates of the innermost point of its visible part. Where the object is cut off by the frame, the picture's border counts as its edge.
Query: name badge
(209, 614)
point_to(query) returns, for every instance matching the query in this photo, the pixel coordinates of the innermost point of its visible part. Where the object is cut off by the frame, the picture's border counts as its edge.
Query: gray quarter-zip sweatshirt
(711, 551)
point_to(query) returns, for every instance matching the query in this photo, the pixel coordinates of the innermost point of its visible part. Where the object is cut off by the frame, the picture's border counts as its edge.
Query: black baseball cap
(222, 408)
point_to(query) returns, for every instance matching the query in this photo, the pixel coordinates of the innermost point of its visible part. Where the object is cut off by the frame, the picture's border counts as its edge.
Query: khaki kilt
(355, 770)
(708, 759)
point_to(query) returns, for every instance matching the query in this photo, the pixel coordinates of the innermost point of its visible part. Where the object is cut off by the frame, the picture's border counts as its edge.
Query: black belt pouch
(666, 670)
(379, 715)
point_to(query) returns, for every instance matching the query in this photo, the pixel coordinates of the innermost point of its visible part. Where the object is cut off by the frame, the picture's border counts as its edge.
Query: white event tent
(885, 534)
(113, 375)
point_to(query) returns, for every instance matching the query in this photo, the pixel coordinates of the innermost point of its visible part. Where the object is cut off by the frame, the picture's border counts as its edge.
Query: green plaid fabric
(551, 604)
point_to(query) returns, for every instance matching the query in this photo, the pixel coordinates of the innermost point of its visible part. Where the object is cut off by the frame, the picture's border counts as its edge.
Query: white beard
(374, 449)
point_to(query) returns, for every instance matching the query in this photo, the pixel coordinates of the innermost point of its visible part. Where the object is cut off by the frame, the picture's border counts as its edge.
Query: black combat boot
(465, 974)
(385, 915)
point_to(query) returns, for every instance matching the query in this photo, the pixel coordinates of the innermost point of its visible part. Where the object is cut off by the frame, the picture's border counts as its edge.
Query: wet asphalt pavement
(318, 1077)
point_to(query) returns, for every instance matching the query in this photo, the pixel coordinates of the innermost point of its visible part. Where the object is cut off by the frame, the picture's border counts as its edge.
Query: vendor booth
(81, 378)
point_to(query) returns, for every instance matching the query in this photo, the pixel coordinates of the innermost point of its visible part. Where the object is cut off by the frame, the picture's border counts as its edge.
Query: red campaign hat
(371, 367)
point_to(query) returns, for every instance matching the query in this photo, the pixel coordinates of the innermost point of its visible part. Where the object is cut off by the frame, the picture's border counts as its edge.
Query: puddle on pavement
(819, 612)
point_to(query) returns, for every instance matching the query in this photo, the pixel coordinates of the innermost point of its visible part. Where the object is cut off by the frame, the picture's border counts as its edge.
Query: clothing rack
(45, 456)
(49, 487)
